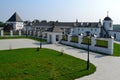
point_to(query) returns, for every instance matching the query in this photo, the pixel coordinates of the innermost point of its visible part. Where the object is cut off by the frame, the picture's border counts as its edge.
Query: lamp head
(88, 33)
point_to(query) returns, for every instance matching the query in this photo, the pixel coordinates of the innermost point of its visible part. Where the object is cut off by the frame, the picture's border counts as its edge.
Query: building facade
(103, 28)
(15, 22)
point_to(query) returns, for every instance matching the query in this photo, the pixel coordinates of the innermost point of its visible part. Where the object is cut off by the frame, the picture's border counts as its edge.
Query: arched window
(104, 24)
(110, 25)
(115, 36)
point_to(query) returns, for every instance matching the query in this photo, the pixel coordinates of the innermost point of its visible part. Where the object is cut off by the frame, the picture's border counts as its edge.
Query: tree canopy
(2, 24)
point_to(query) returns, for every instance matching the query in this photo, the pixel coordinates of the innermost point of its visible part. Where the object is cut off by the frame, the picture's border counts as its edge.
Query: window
(95, 29)
(110, 25)
(91, 29)
(115, 36)
(104, 24)
(82, 29)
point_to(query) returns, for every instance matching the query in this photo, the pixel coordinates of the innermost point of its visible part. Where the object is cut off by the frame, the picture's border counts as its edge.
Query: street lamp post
(88, 61)
(41, 38)
(26, 31)
(40, 43)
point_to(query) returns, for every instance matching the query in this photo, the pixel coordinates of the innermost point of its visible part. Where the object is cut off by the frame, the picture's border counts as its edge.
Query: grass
(74, 39)
(99, 43)
(102, 43)
(24, 37)
(46, 64)
(116, 51)
(85, 40)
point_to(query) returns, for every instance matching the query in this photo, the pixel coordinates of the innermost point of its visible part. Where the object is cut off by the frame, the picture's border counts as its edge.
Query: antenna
(107, 13)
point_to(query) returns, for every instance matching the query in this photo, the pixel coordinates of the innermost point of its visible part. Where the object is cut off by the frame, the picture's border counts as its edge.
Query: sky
(61, 10)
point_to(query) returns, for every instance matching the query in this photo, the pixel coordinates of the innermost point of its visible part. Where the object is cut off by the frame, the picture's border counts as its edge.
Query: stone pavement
(108, 67)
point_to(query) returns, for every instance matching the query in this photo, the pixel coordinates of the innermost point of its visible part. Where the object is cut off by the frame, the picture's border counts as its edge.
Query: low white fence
(92, 47)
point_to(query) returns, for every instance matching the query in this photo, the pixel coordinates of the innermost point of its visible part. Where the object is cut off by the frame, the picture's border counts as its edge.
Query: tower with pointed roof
(16, 22)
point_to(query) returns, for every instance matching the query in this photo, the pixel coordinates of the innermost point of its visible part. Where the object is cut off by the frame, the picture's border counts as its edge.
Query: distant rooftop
(116, 27)
(69, 24)
(15, 18)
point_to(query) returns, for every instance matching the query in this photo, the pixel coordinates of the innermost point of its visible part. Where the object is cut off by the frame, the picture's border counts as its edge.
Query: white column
(11, 32)
(48, 38)
(2, 33)
(43, 35)
(111, 44)
(93, 41)
(30, 32)
(64, 31)
(60, 37)
(69, 38)
(80, 37)
(34, 33)
(71, 32)
(38, 33)
(27, 32)
(19, 32)
(53, 38)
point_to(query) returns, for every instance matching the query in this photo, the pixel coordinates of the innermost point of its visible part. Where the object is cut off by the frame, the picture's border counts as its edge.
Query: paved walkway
(108, 67)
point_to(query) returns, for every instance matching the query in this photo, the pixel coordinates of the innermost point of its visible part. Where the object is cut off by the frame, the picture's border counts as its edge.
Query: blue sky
(61, 10)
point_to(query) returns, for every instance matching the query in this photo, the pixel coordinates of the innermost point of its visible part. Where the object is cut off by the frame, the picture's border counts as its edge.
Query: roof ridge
(15, 18)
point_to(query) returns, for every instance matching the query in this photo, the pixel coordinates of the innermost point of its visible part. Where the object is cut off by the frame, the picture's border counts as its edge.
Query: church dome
(107, 18)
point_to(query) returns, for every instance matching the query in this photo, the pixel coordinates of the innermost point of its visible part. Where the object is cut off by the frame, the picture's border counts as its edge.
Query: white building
(75, 28)
(103, 28)
(15, 22)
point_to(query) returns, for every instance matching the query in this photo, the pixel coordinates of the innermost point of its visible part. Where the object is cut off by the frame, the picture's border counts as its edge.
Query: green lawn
(102, 43)
(85, 40)
(23, 37)
(74, 39)
(116, 51)
(46, 64)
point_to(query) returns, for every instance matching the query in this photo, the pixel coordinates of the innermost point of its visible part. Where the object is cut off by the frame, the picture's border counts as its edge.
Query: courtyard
(108, 67)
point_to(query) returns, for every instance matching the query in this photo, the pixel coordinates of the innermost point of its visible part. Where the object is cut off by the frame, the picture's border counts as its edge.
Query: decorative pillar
(69, 38)
(2, 33)
(38, 34)
(34, 33)
(64, 31)
(53, 38)
(43, 35)
(30, 33)
(11, 32)
(60, 37)
(80, 37)
(48, 38)
(111, 44)
(71, 31)
(19, 32)
(93, 42)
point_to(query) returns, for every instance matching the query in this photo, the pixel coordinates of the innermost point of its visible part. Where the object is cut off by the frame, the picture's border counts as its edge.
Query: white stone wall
(113, 33)
(92, 47)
